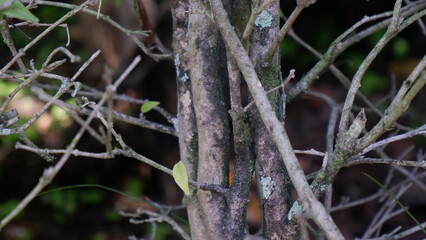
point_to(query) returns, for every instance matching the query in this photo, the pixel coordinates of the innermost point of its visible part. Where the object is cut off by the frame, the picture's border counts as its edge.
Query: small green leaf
(146, 107)
(181, 177)
(18, 10)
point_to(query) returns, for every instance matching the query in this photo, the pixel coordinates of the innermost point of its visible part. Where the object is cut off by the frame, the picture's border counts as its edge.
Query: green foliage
(125, 194)
(65, 201)
(50, 14)
(134, 186)
(7, 206)
(181, 177)
(372, 82)
(112, 216)
(118, 2)
(148, 106)
(400, 47)
(289, 48)
(325, 34)
(6, 88)
(91, 196)
(59, 114)
(99, 236)
(17, 10)
(355, 60)
(162, 231)
(68, 201)
(47, 47)
(375, 37)
(31, 133)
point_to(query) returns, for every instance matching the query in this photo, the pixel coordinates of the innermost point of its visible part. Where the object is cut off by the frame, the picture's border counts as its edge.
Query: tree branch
(273, 125)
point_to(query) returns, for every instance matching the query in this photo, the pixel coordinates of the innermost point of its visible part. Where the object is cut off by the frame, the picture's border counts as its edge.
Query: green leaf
(181, 177)
(146, 107)
(18, 10)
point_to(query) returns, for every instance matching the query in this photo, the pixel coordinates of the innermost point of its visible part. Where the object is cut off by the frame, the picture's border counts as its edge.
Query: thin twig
(310, 152)
(7, 38)
(389, 161)
(32, 24)
(418, 131)
(340, 76)
(49, 173)
(44, 33)
(66, 85)
(136, 218)
(130, 33)
(346, 40)
(281, 35)
(399, 104)
(281, 86)
(391, 32)
(250, 24)
(74, 152)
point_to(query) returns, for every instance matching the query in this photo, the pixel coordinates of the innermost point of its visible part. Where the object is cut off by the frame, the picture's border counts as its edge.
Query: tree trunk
(209, 87)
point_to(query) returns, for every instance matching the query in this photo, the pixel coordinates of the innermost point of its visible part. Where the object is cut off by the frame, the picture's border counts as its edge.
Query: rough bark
(187, 127)
(273, 180)
(204, 128)
(208, 78)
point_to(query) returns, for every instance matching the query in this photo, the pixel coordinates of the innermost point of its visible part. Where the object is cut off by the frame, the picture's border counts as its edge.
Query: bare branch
(273, 125)
(51, 172)
(391, 32)
(44, 33)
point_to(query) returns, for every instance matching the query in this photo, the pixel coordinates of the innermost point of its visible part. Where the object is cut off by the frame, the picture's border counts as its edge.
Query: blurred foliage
(400, 47)
(64, 201)
(31, 133)
(112, 215)
(68, 198)
(17, 10)
(373, 82)
(7, 206)
(161, 232)
(375, 37)
(6, 87)
(99, 236)
(134, 186)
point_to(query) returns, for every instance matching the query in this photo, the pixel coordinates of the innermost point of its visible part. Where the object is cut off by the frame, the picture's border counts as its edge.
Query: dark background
(92, 213)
